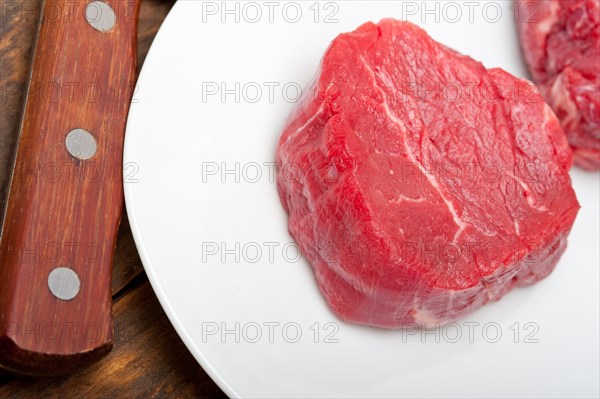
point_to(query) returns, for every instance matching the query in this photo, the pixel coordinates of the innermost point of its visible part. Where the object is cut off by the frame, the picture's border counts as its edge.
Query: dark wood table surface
(148, 358)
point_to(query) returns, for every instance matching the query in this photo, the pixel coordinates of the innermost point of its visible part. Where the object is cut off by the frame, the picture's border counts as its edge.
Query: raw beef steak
(561, 43)
(419, 206)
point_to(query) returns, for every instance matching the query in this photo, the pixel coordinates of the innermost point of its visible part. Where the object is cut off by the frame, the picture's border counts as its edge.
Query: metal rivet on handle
(100, 15)
(64, 283)
(81, 144)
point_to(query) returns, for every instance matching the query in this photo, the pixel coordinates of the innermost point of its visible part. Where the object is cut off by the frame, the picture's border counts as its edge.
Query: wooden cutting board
(148, 358)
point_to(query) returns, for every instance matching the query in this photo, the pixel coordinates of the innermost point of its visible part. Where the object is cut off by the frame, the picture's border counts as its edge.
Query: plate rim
(215, 376)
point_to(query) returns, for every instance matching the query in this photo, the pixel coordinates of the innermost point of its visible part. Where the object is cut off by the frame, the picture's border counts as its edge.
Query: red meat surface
(561, 43)
(417, 202)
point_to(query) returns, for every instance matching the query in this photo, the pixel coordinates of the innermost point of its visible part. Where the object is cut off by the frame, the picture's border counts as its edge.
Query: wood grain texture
(148, 361)
(18, 21)
(62, 211)
(153, 373)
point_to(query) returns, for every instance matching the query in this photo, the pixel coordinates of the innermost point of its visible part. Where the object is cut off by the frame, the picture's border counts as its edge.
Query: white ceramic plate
(213, 237)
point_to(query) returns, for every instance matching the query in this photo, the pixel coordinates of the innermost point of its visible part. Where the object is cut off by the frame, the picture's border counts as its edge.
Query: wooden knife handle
(65, 200)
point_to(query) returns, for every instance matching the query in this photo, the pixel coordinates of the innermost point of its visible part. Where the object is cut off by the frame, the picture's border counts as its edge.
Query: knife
(66, 198)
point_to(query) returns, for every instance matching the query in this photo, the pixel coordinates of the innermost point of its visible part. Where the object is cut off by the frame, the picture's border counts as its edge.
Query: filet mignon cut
(561, 44)
(417, 208)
